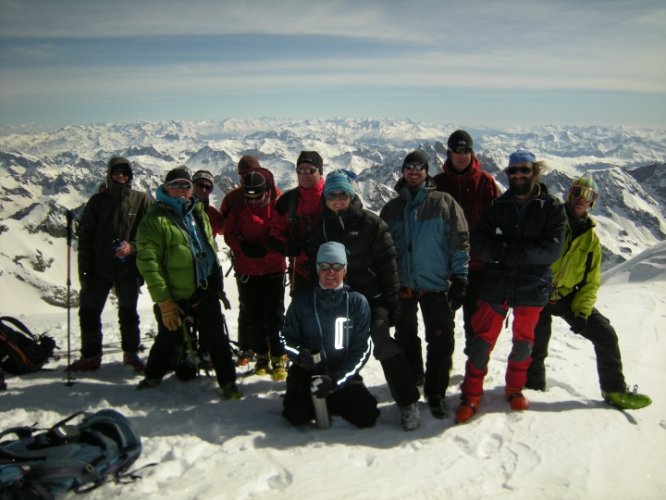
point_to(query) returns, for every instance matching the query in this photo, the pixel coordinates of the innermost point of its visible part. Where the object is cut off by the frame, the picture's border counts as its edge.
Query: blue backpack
(77, 457)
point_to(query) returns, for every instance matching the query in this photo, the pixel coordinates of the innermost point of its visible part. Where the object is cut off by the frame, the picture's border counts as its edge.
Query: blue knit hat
(521, 156)
(339, 180)
(332, 252)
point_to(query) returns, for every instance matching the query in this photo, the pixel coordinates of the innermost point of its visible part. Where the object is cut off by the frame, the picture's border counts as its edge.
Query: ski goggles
(337, 195)
(325, 266)
(582, 192)
(417, 165)
(519, 170)
(179, 184)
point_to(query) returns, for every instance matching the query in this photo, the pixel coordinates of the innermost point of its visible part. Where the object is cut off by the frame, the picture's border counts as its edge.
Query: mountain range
(43, 173)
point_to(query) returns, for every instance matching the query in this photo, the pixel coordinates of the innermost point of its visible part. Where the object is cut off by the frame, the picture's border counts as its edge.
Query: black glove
(322, 386)
(457, 292)
(393, 313)
(86, 281)
(514, 256)
(306, 360)
(293, 249)
(497, 250)
(253, 250)
(579, 324)
(225, 300)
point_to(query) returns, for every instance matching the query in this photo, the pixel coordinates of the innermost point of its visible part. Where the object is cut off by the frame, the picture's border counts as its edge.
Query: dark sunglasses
(125, 170)
(462, 150)
(306, 170)
(415, 166)
(324, 266)
(184, 185)
(205, 186)
(519, 170)
(337, 195)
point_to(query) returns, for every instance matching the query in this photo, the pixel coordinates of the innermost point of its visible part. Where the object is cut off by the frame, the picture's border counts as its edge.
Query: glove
(579, 324)
(306, 360)
(514, 256)
(86, 281)
(457, 292)
(293, 249)
(225, 300)
(497, 250)
(171, 314)
(253, 250)
(322, 386)
(393, 313)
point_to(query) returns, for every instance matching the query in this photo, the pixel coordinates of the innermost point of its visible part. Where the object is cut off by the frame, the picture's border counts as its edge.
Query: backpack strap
(19, 325)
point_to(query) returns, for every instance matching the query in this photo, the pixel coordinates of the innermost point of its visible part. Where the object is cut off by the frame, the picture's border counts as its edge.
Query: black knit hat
(178, 173)
(254, 184)
(416, 157)
(311, 157)
(460, 141)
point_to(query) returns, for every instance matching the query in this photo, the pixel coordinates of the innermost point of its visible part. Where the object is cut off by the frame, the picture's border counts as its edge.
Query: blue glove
(322, 386)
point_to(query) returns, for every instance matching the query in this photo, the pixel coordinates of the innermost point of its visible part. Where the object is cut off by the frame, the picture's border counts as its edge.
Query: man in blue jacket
(432, 246)
(335, 322)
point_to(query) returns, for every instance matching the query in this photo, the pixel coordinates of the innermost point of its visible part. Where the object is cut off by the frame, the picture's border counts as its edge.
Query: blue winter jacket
(336, 323)
(430, 235)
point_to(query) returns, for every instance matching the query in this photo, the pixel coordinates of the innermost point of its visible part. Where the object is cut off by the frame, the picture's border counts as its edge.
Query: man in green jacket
(177, 258)
(576, 281)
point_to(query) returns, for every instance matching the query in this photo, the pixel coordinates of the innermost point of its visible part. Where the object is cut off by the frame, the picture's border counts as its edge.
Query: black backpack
(21, 351)
(78, 457)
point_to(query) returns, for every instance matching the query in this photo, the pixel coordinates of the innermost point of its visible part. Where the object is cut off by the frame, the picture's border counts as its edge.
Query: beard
(521, 186)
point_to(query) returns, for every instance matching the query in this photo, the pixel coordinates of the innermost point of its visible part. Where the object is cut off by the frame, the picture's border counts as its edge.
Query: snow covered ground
(569, 444)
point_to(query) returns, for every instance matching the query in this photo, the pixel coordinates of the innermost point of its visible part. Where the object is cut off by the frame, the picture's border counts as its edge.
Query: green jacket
(164, 257)
(578, 269)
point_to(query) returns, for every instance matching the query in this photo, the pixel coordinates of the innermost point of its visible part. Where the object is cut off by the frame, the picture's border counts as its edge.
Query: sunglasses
(415, 166)
(205, 186)
(125, 171)
(184, 185)
(324, 266)
(519, 170)
(337, 195)
(306, 170)
(462, 150)
(582, 192)
(255, 197)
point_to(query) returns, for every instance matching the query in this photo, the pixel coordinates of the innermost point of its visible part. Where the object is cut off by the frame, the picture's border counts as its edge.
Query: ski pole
(320, 406)
(69, 216)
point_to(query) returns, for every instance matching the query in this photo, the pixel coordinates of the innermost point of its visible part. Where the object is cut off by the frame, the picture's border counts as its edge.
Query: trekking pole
(320, 406)
(70, 216)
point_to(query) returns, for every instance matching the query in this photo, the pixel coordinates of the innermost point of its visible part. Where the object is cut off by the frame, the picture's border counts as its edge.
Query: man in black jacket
(107, 258)
(373, 272)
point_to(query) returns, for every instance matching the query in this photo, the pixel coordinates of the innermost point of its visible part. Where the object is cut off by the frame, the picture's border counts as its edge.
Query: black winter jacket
(535, 229)
(371, 259)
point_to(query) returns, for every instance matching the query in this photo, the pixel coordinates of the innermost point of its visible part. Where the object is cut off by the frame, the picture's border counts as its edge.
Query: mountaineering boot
(437, 406)
(132, 359)
(148, 383)
(467, 408)
(535, 384)
(244, 358)
(263, 365)
(279, 364)
(627, 400)
(90, 364)
(410, 416)
(516, 399)
(231, 391)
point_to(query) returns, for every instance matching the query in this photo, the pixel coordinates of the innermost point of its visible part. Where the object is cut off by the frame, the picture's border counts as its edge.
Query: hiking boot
(279, 364)
(263, 365)
(626, 400)
(468, 406)
(535, 384)
(132, 359)
(516, 399)
(148, 383)
(410, 416)
(437, 407)
(245, 358)
(231, 391)
(90, 364)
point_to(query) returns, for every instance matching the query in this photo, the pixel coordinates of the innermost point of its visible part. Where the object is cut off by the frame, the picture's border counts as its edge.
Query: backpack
(67, 457)
(21, 351)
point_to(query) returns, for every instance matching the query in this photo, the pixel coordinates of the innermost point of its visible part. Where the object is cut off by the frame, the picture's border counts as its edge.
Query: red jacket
(216, 221)
(474, 190)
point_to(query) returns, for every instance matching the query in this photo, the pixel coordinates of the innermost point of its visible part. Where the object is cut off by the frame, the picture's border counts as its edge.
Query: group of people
(442, 243)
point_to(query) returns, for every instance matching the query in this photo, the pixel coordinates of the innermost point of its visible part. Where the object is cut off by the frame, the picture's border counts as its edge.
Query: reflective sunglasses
(337, 195)
(582, 192)
(306, 170)
(205, 186)
(519, 170)
(415, 166)
(325, 266)
(462, 150)
(180, 184)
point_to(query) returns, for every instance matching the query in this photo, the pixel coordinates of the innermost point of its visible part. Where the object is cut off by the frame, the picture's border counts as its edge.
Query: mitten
(171, 314)
(322, 386)
(306, 360)
(457, 292)
(579, 324)
(225, 300)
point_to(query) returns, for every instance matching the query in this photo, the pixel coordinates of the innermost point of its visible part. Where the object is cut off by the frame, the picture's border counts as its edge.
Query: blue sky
(478, 63)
